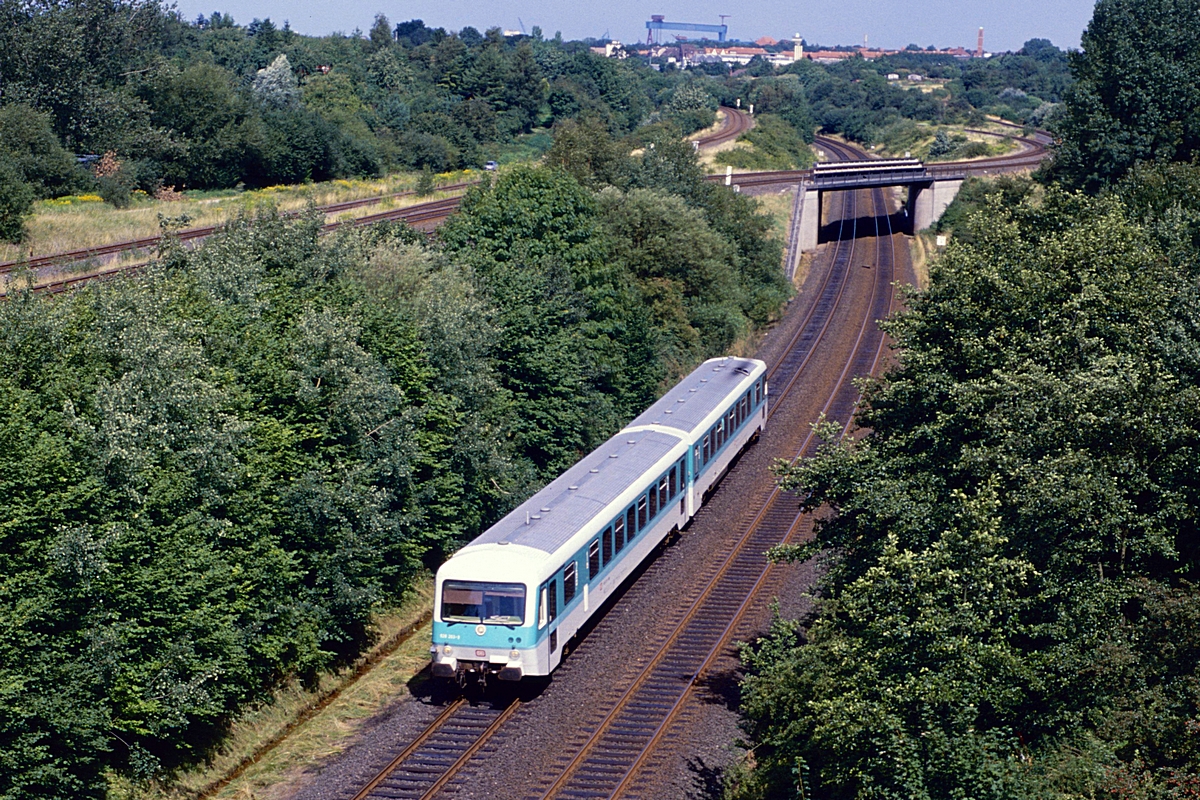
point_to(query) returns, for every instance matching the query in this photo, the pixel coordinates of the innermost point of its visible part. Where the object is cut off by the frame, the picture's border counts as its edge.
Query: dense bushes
(776, 146)
(215, 472)
(1013, 537)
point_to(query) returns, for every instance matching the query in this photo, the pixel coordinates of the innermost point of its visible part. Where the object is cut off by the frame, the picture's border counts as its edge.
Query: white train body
(507, 602)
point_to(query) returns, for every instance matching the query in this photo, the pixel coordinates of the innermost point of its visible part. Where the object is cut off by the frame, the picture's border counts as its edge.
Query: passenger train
(506, 603)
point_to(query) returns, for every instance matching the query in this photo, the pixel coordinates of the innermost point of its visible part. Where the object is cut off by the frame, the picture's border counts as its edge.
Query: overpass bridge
(930, 189)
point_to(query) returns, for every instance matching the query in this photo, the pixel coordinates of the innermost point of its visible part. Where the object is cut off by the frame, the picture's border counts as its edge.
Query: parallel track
(637, 781)
(193, 234)
(730, 589)
(607, 764)
(737, 122)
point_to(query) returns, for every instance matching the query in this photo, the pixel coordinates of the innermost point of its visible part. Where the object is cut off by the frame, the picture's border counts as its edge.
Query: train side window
(618, 535)
(663, 497)
(696, 458)
(653, 501)
(570, 578)
(672, 482)
(758, 393)
(631, 527)
(707, 437)
(641, 512)
(720, 435)
(593, 560)
(732, 424)
(552, 600)
(543, 616)
(607, 544)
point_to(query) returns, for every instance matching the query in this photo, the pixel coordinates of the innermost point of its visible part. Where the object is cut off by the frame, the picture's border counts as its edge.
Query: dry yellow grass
(76, 223)
(270, 748)
(923, 248)
(778, 205)
(51, 274)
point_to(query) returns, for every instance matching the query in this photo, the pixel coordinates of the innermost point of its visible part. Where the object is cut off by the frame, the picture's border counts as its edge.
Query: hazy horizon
(885, 23)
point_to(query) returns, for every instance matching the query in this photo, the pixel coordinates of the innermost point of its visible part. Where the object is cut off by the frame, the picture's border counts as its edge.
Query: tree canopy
(1012, 538)
(1137, 77)
(215, 472)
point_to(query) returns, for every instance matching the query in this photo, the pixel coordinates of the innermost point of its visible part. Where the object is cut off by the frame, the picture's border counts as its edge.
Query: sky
(885, 23)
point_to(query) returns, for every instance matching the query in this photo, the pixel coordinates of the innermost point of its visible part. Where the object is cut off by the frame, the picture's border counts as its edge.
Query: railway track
(189, 235)
(608, 763)
(737, 122)
(424, 216)
(639, 779)
(626, 728)
(45, 270)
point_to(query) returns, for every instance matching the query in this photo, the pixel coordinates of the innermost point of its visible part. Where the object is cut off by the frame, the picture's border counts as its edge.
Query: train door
(693, 457)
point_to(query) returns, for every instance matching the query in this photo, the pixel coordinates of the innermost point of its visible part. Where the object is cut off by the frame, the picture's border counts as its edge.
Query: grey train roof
(599, 479)
(688, 404)
(583, 491)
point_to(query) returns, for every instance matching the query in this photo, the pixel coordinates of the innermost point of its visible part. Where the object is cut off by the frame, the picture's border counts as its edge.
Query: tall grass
(79, 222)
(270, 748)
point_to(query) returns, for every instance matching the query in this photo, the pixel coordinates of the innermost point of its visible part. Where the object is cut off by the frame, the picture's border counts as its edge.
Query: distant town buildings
(688, 53)
(613, 49)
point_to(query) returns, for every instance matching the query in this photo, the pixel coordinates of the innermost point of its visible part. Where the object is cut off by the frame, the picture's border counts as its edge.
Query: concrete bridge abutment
(810, 218)
(928, 196)
(928, 201)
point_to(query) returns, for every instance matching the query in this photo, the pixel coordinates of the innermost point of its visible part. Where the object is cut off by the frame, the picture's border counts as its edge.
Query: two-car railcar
(507, 602)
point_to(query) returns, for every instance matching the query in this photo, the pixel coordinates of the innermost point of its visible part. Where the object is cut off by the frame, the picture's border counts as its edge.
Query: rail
(726, 594)
(621, 744)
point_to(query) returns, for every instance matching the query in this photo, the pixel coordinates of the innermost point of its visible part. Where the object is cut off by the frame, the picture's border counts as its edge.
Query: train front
(485, 616)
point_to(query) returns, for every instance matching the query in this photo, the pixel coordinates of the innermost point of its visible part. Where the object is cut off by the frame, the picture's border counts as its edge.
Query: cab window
(489, 603)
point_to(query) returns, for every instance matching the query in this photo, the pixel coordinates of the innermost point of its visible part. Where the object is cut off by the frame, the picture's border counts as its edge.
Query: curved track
(193, 234)
(624, 730)
(737, 122)
(609, 762)
(45, 271)
(423, 216)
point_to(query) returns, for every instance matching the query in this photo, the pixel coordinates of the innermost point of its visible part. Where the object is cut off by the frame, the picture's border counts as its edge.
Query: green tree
(28, 140)
(1135, 87)
(16, 201)
(1021, 496)
(275, 85)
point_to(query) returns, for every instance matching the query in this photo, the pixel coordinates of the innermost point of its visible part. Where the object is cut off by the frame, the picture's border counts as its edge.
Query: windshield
(472, 601)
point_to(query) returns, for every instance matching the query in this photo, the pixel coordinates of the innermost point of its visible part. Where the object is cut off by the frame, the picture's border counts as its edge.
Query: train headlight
(514, 655)
(447, 650)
